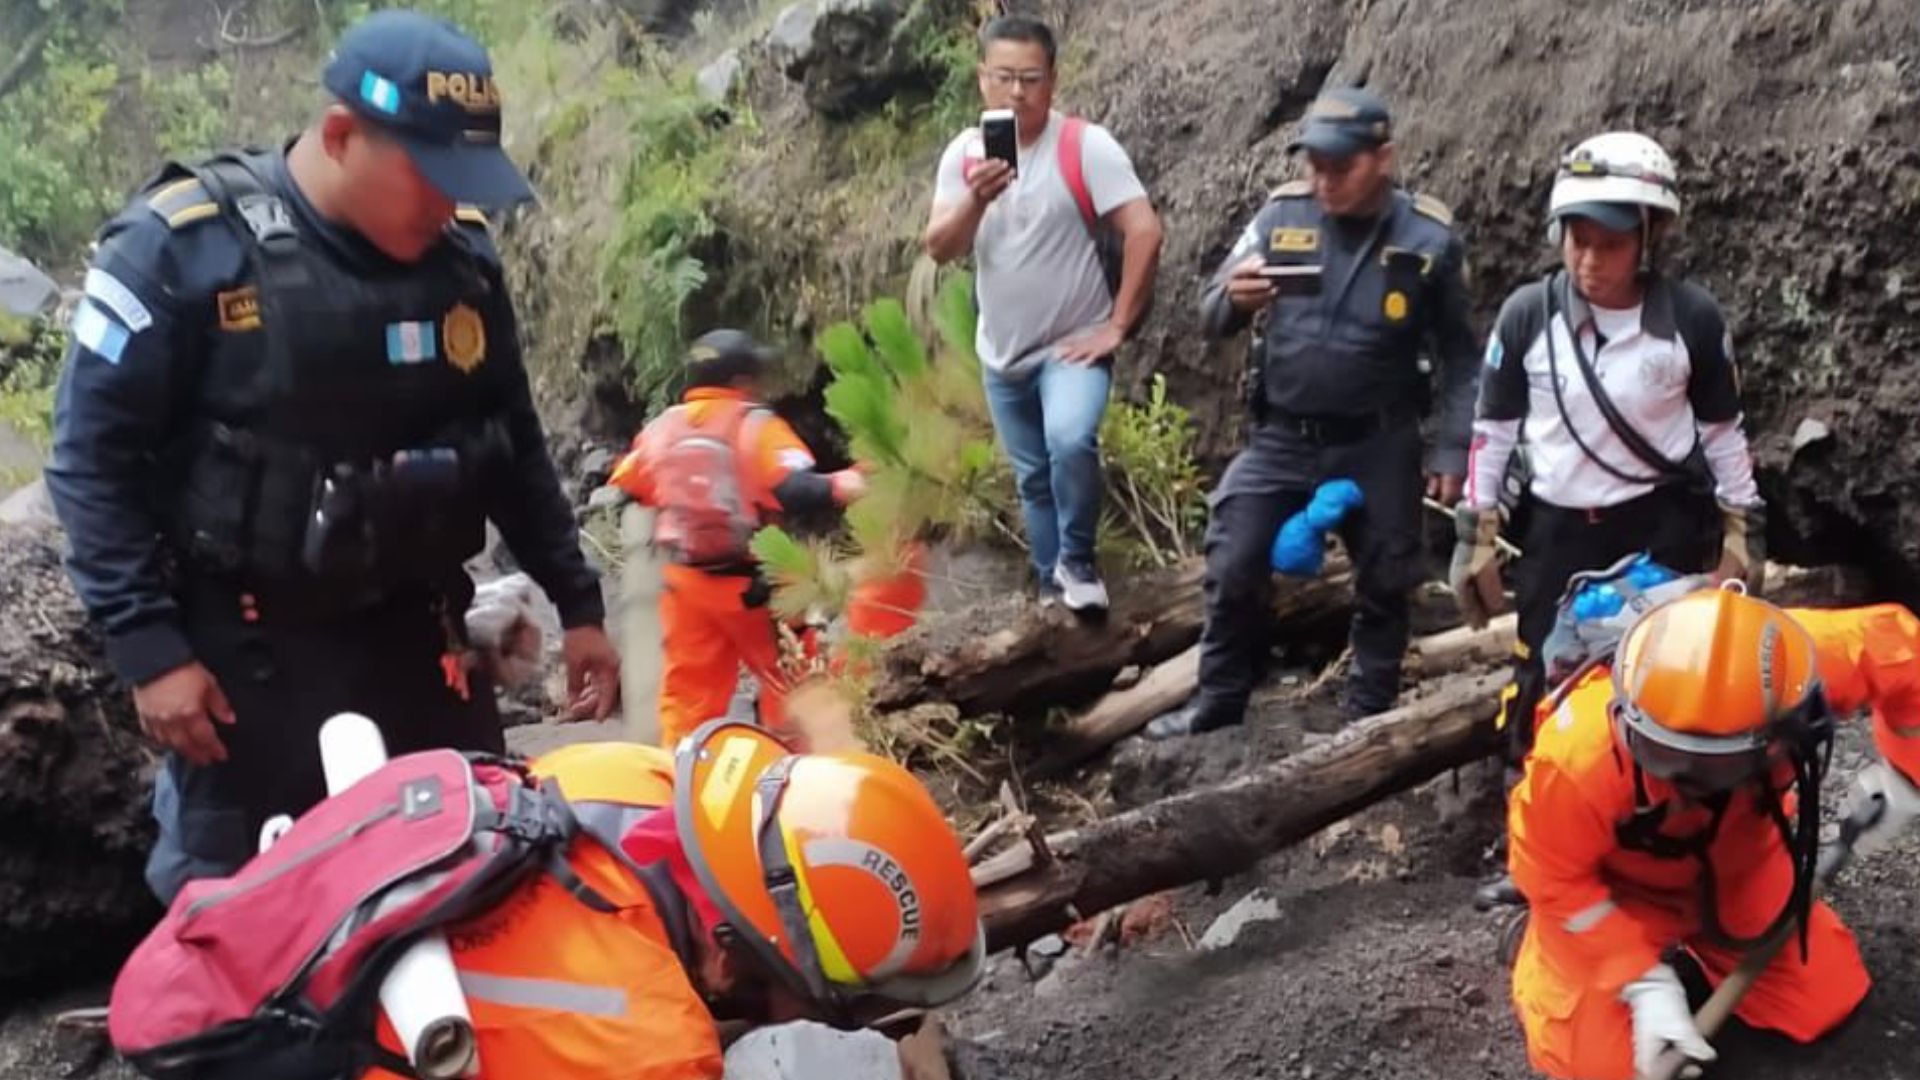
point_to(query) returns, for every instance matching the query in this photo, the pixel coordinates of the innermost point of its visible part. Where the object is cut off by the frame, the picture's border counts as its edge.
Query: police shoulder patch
(1293, 189)
(181, 203)
(1428, 206)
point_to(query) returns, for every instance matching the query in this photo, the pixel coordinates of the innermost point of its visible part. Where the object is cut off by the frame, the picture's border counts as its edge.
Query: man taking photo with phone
(1051, 315)
(1356, 280)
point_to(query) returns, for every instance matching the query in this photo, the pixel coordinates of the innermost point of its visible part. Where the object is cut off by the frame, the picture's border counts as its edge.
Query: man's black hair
(1024, 28)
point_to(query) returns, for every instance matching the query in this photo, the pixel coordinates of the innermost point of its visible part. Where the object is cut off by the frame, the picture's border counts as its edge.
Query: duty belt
(1333, 430)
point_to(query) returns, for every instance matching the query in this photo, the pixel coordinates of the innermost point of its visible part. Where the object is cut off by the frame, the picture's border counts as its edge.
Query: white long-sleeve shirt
(1667, 365)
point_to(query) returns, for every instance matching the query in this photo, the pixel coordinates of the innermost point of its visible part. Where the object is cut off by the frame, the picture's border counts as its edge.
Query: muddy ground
(1377, 966)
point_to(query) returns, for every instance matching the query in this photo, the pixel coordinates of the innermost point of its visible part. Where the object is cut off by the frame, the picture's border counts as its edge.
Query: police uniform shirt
(1667, 366)
(169, 275)
(1392, 289)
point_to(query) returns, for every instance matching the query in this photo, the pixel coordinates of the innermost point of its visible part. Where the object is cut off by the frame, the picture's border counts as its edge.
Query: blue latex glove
(1301, 547)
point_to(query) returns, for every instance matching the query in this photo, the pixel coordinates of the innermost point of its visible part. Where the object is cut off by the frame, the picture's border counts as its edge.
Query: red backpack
(707, 516)
(274, 973)
(1108, 244)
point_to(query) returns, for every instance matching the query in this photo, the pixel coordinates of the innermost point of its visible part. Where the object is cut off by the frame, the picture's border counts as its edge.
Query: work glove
(1661, 1019)
(1475, 575)
(1743, 548)
(1899, 805)
(503, 627)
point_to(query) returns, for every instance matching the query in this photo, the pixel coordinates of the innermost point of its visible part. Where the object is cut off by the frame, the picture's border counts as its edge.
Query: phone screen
(1293, 280)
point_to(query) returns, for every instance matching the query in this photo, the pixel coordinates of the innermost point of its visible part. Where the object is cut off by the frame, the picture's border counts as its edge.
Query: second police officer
(1356, 280)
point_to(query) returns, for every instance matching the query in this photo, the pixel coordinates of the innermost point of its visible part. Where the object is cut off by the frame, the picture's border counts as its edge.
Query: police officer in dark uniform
(293, 399)
(1356, 281)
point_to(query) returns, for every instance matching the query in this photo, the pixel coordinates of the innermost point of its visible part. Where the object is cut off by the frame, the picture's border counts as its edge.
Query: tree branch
(16, 71)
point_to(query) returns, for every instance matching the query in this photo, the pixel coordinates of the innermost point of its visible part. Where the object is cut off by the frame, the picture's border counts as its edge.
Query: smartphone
(1001, 136)
(1293, 280)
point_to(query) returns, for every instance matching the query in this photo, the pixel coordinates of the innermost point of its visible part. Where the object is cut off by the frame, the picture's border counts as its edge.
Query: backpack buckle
(266, 215)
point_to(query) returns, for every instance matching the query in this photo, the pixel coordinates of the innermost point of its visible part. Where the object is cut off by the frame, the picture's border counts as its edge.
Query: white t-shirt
(1037, 273)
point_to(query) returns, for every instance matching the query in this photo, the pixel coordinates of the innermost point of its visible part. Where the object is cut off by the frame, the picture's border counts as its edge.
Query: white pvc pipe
(421, 995)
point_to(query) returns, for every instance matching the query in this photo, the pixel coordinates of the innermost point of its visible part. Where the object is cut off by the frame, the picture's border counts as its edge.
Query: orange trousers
(1578, 1031)
(706, 633)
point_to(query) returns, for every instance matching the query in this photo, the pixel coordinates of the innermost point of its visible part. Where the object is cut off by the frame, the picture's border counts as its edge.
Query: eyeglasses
(1003, 78)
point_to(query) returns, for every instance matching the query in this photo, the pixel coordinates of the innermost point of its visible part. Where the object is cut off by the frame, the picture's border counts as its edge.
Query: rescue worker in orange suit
(1671, 801)
(716, 467)
(752, 885)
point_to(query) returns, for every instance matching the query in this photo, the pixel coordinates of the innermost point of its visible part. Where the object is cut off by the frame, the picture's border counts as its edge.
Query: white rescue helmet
(1611, 176)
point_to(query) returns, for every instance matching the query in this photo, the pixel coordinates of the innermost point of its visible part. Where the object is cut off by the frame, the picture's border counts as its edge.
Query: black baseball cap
(1343, 122)
(431, 87)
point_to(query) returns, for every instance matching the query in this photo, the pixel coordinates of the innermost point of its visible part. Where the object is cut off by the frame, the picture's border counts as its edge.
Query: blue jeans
(1048, 420)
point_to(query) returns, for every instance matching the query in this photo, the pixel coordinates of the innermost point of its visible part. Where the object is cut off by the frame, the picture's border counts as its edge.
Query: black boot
(1192, 720)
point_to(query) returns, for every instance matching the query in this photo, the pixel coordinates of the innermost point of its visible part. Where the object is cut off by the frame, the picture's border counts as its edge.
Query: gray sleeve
(1111, 180)
(950, 182)
(1456, 362)
(1218, 317)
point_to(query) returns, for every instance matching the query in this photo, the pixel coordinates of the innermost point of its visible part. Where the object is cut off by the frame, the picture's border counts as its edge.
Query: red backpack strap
(1073, 130)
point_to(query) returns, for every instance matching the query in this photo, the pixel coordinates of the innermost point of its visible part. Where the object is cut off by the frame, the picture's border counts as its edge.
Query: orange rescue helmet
(1710, 688)
(836, 870)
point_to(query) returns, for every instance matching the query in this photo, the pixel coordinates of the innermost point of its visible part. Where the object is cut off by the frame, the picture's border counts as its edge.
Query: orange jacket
(768, 451)
(557, 989)
(1612, 912)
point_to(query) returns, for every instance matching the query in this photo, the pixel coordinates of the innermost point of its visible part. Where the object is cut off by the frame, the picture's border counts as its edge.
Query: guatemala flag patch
(380, 93)
(410, 342)
(99, 334)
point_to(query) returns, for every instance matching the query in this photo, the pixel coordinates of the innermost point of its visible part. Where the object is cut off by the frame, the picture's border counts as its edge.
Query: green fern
(895, 341)
(956, 318)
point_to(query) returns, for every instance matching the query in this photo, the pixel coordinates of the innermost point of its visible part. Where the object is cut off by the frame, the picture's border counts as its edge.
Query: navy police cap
(431, 87)
(1344, 121)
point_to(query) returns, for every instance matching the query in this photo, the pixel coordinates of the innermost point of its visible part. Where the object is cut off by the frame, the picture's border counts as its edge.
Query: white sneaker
(1080, 588)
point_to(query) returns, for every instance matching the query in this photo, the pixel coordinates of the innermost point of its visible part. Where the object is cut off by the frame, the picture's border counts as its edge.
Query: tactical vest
(346, 420)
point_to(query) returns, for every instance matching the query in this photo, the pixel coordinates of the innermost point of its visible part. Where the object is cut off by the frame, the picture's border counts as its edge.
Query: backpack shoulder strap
(1663, 468)
(1073, 167)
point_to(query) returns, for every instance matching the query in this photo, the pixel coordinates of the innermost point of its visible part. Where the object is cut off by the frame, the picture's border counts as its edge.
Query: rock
(596, 465)
(24, 290)
(668, 18)
(862, 53)
(75, 777)
(27, 506)
(806, 1051)
(716, 81)
(1255, 907)
(790, 43)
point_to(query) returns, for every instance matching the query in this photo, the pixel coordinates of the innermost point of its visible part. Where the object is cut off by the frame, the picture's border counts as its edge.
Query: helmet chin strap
(1646, 243)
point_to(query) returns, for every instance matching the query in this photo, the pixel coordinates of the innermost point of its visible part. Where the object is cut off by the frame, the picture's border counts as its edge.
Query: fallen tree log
(1218, 831)
(1122, 712)
(74, 773)
(1043, 654)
